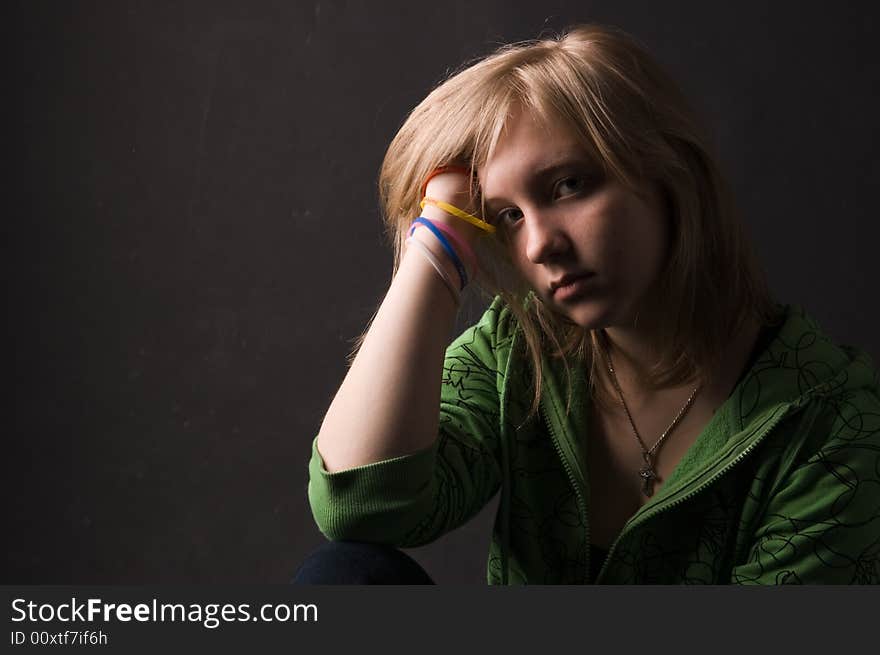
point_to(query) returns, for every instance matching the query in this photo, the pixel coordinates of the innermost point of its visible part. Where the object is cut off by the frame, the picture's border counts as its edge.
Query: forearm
(388, 404)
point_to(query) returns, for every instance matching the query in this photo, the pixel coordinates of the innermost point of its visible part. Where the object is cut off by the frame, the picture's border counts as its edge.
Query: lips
(566, 280)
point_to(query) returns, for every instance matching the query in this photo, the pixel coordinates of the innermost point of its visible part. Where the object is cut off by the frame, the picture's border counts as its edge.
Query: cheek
(608, 242)
(521, 264)
(604, 229)
(629, 244)
(530, 273)
(653, 249)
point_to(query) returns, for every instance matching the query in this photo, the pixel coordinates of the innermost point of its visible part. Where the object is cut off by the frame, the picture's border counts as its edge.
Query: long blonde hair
(601, 83)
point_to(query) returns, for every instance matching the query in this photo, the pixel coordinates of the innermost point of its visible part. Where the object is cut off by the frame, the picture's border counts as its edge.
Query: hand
(453, 187)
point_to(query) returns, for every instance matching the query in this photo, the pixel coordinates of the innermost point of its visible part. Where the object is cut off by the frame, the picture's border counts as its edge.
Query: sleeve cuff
(372, 502)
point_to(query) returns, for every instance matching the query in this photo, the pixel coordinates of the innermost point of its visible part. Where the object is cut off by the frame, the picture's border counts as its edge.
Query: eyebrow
(547, 170)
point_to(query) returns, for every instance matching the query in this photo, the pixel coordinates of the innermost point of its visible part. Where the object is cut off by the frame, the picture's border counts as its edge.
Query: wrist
(424, 236)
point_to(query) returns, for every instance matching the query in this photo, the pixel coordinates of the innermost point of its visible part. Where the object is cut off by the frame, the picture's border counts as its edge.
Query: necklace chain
(648, 472)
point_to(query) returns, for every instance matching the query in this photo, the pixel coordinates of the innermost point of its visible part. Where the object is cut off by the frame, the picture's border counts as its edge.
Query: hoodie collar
(799, 363)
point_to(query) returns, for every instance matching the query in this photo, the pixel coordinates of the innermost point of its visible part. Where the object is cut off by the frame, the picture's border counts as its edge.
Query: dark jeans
(356, 563)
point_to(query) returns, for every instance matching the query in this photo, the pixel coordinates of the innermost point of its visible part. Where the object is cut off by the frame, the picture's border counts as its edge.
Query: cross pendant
(648, 475)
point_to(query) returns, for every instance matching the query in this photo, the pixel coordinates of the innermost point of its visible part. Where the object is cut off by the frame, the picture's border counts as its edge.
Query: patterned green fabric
(782, 486)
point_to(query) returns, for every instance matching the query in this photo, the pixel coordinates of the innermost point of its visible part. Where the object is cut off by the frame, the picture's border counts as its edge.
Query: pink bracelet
(457, 241)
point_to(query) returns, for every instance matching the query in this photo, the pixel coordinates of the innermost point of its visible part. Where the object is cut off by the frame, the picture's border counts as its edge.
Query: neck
(634, 350)
(632, 353)
(633, 345)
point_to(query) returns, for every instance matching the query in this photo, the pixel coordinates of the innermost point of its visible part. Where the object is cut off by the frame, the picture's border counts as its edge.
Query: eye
(508, 216)
(568, 186)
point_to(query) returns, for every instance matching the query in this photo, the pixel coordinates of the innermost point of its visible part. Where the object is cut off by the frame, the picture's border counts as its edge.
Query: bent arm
(411, 500)
(387, 406)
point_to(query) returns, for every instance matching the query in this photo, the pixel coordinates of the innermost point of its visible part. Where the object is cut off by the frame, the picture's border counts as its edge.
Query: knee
(353, 563)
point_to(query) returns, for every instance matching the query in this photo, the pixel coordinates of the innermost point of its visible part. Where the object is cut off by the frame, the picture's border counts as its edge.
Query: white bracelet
(438, 267)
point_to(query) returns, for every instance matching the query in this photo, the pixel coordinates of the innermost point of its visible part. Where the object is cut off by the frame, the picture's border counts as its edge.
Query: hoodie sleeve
(411, 500)
(822, 521)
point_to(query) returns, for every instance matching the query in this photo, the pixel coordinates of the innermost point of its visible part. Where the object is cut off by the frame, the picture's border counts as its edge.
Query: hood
(802, 362)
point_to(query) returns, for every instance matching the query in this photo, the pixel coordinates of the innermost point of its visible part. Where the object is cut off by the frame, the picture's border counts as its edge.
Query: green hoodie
(781, 487)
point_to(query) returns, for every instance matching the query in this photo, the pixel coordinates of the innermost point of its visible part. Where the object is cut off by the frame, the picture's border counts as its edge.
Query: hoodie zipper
(582, 505)
(638, 519)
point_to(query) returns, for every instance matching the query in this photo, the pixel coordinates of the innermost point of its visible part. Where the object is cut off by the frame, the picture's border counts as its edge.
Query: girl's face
(566, 221)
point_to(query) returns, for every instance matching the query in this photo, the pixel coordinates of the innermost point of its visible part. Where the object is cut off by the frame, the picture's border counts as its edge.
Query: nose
(545, 239)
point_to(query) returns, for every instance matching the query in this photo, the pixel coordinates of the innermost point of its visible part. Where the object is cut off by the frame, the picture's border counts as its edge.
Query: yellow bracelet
(455, 211)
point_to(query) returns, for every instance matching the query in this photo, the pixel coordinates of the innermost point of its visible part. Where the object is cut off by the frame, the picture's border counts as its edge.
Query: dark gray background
(194, 240)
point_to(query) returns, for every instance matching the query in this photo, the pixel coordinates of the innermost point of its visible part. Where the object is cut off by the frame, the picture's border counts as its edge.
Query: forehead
(528, 145)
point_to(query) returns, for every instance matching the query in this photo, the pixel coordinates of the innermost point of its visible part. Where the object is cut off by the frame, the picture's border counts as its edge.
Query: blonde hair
(600, 83)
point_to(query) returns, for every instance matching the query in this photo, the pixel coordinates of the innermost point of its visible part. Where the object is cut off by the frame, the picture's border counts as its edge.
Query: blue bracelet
(421, 220)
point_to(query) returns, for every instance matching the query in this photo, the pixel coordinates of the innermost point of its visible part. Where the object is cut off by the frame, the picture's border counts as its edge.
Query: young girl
(645, 409)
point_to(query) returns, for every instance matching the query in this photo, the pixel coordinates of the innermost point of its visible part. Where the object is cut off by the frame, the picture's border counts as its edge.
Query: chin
(587, 315)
